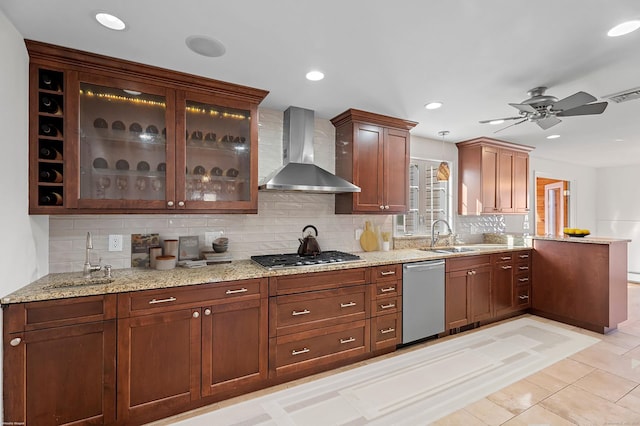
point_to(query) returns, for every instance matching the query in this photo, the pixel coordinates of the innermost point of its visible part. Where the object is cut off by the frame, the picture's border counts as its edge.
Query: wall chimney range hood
(298, 173)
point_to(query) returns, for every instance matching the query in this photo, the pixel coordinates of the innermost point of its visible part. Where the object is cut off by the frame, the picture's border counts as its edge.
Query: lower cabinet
(60, 362)
(180, 345)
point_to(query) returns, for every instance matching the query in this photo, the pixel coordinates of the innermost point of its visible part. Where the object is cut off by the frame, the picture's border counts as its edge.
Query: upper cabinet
(372, 152)
(113, 136)
(493, 177)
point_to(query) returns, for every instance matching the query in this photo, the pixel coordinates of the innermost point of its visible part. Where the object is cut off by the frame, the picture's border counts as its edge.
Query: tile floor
(596, 386)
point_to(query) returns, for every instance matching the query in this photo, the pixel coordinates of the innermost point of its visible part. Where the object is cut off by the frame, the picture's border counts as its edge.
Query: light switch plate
(358, 234)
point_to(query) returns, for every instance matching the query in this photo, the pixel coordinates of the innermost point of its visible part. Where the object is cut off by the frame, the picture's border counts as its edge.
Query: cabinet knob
(181, 203)
(170, 203)
(196, 314)
(381, 207)
(15, 342)
(207, 312)
(386, 207)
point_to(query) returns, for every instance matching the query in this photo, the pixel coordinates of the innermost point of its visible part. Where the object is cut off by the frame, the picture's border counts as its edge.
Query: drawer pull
(349, 340)
(347, 305)
(523, 280)
(305, 312)
(15, 341)
(523, 297)
(168, 299)
(524, 256)
(389, 306)
(387, 330)
(385, 273)
(506, 267)
(523, 268)
(387, 289)
(300, 352)
(241, 290)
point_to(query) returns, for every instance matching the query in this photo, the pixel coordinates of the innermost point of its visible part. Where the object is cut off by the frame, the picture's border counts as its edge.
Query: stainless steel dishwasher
(422, 300)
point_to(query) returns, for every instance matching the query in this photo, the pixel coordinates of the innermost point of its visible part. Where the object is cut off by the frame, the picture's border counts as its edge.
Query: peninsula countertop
(585, 240)
(72, 284)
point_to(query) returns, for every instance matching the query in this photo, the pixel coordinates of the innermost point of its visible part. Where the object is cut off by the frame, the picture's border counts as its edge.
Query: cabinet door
(489, 177)
(123, 157)
(216, 159)
(396, 170)
(521, 182)
(457, 297)
(61, 375)
(234, 347)
(369, 168)
(505, 181)
(503, 288)
(480, 290)
(158, 364)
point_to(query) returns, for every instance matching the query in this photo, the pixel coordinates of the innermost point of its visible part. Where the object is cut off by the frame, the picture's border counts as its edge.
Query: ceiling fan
(544, 110)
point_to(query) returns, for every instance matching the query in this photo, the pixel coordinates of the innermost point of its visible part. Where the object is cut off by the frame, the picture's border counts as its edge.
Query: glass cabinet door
(215, 171)
(126, 147)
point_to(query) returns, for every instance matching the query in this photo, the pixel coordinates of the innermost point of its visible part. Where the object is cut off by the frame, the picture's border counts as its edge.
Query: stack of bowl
(220, 245)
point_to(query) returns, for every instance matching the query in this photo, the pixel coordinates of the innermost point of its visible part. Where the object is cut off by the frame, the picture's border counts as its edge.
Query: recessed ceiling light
(553, 136)
(496, 122)
(624, 28)
(205, 46)
(315, 75)
(619, 140)
(433, 105)
(110, 21)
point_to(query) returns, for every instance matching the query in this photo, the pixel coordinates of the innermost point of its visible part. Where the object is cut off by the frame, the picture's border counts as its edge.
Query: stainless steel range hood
(298, 172)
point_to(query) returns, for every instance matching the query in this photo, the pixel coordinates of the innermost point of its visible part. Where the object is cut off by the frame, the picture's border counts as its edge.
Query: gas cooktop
(294, 260)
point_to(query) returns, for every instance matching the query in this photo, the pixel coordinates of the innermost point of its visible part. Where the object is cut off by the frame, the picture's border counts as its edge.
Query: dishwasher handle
(423, 266)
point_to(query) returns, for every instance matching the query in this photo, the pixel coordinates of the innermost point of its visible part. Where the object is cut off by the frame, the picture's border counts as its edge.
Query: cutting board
(368, 239)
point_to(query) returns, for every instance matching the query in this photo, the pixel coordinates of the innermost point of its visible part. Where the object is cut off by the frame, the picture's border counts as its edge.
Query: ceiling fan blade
(524, 107)
(573, 101)
(511, 125)
(597, 108)
(548, 122)
(498, 119)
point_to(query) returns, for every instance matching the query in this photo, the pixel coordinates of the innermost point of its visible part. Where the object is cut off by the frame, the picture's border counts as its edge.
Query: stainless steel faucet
(434, 235)
(88, 267)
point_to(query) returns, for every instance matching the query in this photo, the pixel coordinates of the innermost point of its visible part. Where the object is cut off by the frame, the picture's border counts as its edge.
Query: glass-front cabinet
(112, 136)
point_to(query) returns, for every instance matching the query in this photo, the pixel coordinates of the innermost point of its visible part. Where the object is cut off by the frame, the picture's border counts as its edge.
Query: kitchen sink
(448, 250)
(80, 282)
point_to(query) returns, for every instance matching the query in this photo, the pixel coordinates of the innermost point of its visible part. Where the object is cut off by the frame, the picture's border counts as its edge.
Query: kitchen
(601, 202)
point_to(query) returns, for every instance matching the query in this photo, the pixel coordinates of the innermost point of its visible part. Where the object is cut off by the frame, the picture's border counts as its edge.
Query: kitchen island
(580, 281)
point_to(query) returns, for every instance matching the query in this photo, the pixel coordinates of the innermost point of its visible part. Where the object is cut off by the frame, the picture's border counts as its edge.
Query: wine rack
(50, 136)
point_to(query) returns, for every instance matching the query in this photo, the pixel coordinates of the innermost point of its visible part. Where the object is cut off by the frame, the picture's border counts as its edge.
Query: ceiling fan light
(553, 136)
(624, 28)
(494, 122)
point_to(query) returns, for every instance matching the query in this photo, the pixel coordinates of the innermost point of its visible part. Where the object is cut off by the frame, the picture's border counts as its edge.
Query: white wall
(24, 253)
(618, 209)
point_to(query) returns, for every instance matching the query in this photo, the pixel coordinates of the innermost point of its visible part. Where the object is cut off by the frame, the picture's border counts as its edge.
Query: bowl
(219, 248)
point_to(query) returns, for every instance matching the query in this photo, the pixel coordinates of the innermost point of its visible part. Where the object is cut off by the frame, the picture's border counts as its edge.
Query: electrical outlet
(210, 236)
(358, 234)
(115, 242)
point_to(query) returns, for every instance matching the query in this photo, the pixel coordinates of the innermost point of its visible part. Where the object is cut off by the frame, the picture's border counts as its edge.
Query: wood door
(503, 288)
(158, 364)
(521, 182)
(505, 180)
(62, 375)
(489, 177)
(234, 347)
(368, 168)
(396, 170)
(457, 297)
(554, 208)
(480, 291)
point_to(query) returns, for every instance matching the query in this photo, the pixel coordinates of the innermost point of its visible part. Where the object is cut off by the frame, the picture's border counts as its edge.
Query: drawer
(386, 273)
(298, 283)
(522, 267)
(502, 257)
(56, 313)
(387, 305)
(467, 262)
(523, 279)
(523, 256)
(150, 301)
(387, 289)
(523, 297)
(386, 331)
(320, 346)
(299, 312)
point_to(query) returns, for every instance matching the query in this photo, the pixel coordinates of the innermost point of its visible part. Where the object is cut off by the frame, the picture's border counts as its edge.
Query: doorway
(552, 206)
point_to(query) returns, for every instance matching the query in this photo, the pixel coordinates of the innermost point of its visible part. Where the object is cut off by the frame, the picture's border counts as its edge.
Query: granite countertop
(72, 284)
(586, 240)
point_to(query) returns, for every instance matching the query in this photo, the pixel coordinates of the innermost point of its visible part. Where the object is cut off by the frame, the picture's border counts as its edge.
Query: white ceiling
(388, 57)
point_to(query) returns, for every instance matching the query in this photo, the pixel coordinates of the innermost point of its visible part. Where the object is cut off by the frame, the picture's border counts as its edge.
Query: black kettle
(309, 245)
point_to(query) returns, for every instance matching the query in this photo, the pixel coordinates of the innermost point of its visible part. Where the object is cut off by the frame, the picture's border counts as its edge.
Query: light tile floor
(597, 386)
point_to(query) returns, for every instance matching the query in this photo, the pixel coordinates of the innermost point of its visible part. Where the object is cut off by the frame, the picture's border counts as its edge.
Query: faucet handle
(107, 271)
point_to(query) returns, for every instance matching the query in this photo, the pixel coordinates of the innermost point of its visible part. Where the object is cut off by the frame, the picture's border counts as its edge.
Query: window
(429, 200)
